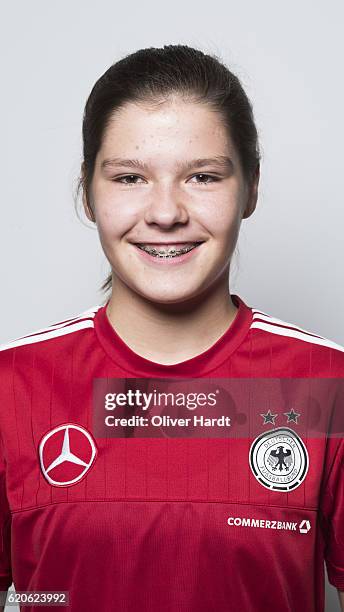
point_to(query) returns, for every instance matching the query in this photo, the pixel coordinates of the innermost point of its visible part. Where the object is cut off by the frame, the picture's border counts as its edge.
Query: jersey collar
(122, 355)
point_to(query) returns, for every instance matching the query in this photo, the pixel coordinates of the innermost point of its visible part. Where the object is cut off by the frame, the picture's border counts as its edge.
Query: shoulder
(52, 333)
(320, 352)
(272, 325)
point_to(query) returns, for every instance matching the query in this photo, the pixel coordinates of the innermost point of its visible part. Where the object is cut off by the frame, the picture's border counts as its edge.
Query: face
(165, 177)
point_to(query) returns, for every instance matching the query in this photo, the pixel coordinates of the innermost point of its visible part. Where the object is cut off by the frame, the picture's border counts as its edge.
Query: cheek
(116, 215)
(224, 221)
(111, 224)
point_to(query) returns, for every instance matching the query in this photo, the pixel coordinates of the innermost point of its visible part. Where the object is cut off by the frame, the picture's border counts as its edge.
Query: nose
(166, 206)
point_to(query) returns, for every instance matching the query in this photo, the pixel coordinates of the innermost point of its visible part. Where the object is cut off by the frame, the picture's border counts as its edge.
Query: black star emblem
(292, 416)
(268, 417)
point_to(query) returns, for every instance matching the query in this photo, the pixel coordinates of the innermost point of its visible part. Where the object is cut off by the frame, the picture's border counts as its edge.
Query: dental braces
(171, 253)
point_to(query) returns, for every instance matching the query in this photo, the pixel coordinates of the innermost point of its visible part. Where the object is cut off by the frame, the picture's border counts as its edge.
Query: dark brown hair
(154, 74)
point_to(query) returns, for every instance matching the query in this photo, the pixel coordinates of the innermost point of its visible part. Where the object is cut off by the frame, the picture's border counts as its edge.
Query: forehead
(175, 123)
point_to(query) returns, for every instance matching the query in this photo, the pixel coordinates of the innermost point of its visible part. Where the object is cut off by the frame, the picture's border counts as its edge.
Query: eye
(120, 179)
(213, 179)
(131, 179)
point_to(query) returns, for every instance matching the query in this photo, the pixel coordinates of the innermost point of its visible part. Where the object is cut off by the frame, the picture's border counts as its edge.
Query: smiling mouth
(166, 251)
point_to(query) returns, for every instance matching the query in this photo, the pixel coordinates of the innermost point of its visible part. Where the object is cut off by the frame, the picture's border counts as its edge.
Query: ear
(87, 208)
(252, 194)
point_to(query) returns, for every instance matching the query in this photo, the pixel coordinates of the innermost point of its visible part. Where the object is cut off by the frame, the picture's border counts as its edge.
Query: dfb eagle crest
(279, 459)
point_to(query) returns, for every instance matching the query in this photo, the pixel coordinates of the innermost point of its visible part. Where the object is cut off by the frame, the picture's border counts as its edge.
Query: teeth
(170, 248)
(169, 252)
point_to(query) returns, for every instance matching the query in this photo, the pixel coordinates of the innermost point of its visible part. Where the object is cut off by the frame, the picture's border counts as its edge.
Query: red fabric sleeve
(5, 530)
(332, 512)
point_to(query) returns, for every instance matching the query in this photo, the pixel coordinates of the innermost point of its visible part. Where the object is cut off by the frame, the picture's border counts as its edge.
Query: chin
(168, 297)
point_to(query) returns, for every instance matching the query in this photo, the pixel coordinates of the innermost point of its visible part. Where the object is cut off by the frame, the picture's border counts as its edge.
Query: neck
(171, 333)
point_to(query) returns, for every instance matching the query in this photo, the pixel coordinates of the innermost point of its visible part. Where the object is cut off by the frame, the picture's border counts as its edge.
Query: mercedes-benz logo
(66, 453)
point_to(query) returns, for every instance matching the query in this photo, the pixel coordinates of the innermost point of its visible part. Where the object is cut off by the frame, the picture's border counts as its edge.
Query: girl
(159, 519)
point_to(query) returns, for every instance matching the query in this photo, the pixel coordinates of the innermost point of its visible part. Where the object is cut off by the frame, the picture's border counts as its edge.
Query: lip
(170, 243)
(166, 261)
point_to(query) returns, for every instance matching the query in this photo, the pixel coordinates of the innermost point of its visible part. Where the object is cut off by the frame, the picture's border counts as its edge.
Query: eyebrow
(219, 160)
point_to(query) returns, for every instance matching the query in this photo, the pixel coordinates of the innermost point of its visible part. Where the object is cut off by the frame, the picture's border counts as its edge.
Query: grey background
(288, 56)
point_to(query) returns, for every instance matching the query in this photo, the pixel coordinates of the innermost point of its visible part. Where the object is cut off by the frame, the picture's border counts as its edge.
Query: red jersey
(171, 524)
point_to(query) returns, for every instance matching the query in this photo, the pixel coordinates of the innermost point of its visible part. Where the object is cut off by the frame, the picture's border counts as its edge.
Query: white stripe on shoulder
(294, 333)
(257, 314)
(67, 326)
(90, 313)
